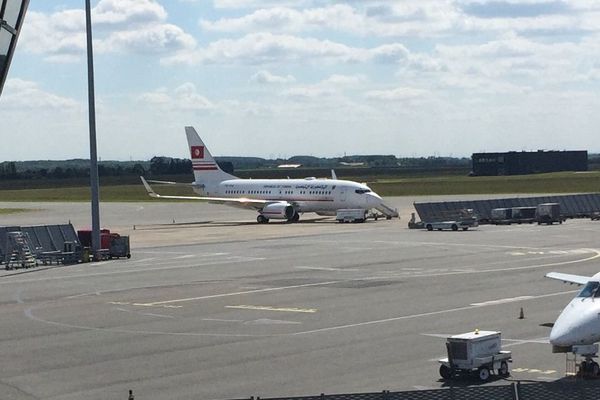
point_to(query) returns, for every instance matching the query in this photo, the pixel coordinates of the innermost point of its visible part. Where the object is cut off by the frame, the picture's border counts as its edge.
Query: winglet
(333, 175)
(149, 189)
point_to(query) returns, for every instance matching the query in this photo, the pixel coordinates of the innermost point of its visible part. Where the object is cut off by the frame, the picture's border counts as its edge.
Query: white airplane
(579, 323)
(273, 198)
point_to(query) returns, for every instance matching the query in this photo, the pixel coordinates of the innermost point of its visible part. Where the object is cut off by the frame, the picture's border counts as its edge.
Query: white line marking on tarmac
(487, 271)
(328, 269)
(502, 301)
(271, 308)
(186, 256)
(147, 314)
(413, 316)
(597, 255)
(142, 260)
(130, 271)
(29, 314)
(221, 320)
(216, 296)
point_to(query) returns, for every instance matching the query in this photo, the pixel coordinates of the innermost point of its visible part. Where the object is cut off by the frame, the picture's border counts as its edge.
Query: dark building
(523, 162)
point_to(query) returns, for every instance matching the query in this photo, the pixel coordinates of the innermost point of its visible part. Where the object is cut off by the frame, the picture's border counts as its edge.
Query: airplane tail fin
(206, 169)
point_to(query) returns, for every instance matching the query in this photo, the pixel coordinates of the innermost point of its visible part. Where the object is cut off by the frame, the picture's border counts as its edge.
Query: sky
(277, 78)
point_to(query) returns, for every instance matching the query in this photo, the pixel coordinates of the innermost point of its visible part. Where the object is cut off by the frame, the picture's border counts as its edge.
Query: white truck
(454, 220)
(351, 215)
(477, 352)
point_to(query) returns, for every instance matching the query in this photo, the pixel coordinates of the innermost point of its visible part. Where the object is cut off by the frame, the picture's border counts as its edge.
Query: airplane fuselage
(307, 195)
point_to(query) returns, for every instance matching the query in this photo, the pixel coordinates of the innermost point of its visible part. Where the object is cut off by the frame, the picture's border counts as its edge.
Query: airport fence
(559, 390)
(571, 206)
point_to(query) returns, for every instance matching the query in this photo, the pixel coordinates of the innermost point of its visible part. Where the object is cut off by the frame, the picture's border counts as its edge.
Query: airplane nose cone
(373, 199)
(574, 327)
(562, 335)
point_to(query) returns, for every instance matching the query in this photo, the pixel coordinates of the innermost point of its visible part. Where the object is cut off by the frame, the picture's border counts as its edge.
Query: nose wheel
(589, 368)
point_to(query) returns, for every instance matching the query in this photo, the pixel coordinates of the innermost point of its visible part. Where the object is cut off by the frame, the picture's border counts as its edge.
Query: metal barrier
(559, 390)
(571, 206)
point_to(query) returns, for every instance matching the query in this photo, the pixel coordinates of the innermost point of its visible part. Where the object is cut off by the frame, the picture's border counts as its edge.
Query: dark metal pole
(93, 151)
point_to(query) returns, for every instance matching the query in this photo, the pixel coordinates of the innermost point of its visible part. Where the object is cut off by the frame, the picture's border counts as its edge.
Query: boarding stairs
(18, 251)
(387, 211)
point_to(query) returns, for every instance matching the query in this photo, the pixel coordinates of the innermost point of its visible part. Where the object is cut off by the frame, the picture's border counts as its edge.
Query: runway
(219, 309)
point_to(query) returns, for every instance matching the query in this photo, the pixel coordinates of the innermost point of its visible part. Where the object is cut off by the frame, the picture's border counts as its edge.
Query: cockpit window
(590, 290)
(361, 191)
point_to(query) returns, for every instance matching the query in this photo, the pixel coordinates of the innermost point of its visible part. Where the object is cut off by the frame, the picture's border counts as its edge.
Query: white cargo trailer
(351, 215)
(477, 352)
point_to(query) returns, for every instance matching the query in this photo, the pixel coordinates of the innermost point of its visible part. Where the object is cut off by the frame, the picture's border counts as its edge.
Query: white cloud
(265, 77)
(27, 95)
(344, 80)
(152, 39)
(334, 85)
(268, 48)
(309, 92)
(121, 12)
(397, 94)
(265, 48)
(282, 19)
(183, 98)
(136, 26)
(249, 4)
(423, 18)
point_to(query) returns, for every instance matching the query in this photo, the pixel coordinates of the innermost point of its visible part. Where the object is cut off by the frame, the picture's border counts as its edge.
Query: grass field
(563, 182)
(6, 211)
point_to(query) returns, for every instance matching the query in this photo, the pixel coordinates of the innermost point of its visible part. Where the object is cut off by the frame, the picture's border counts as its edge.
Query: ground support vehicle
(351, 215)
(475, 353)
(548, 213)
(501, 216)
(523, 215)
(453, 225)
(595, 216)
(119, 246)
(112, 245)
(454, 220)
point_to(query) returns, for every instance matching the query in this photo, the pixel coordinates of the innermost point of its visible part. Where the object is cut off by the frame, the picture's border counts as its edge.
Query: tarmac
(213, 306)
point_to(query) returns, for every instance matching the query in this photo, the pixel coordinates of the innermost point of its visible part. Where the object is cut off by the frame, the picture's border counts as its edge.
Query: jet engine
(281, 210)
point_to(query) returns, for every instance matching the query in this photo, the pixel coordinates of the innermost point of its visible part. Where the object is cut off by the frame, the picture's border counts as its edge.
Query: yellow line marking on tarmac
(269, 308)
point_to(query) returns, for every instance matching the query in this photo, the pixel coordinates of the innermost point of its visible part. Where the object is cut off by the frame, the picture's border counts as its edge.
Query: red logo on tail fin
(197, 152)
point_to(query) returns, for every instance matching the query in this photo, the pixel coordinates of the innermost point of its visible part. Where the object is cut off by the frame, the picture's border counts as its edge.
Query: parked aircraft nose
(575, 326)
(373, 199)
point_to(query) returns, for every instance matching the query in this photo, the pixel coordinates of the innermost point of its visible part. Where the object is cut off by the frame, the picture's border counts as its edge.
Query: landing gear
(295, 217)
(589, 368)
(261, 219)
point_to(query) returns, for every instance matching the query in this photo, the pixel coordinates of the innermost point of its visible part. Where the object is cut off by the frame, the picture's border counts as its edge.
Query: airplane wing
(577, 279)
(235, 201)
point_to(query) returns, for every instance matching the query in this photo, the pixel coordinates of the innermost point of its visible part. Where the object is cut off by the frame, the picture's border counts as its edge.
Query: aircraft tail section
(206, 169)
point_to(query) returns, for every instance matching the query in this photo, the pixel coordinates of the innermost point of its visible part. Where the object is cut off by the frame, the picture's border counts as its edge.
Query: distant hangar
(528, 162)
